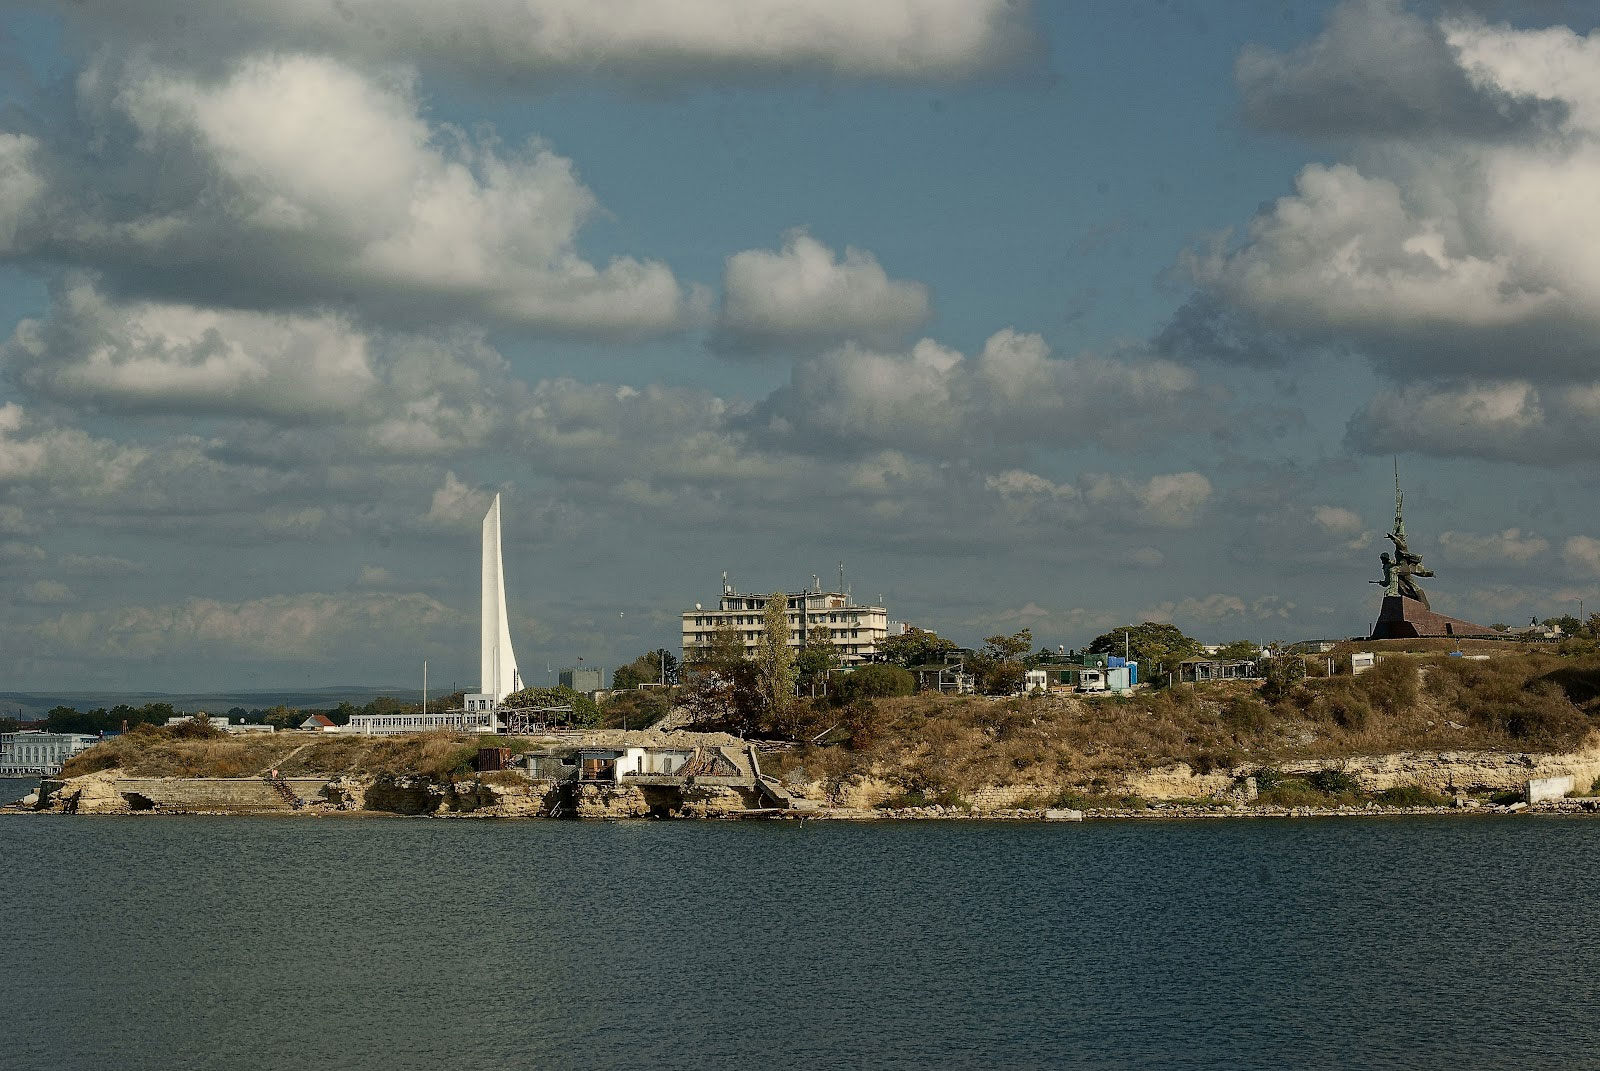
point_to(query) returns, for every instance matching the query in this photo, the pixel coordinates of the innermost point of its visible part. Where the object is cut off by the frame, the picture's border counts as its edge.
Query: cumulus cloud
(1582, 555)
(935, 400)
(21, 184)
(1169, 500)
(305, 627)
(1379, 70)
(42, 453)
(456, 504)
(806, 296)
(1511, 545)
(1507, 420)
(399, 393)
(1462, 254)
(295, 180)
(47, 593)
(1337, 521)
(635, 41)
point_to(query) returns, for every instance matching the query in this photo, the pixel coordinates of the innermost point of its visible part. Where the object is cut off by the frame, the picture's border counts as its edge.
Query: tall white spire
(499, 661)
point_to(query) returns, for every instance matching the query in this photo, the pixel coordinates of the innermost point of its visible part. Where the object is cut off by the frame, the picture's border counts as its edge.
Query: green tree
(774, 659)
(915, 647)
(874, 681)
(1282, 673)
(1592, 626)
(1566, 623)
(1158, 647)
(1243, 650)
(647, 669)
(637, 709)
(719, 655)
(729, 698)
(999, 667)
(585, 712)
(816, 659)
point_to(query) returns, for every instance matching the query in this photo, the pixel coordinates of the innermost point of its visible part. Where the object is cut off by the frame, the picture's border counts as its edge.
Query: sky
(1049, 315)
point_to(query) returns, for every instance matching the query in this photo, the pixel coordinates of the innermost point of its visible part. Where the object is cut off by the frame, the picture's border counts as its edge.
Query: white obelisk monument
(499, 662)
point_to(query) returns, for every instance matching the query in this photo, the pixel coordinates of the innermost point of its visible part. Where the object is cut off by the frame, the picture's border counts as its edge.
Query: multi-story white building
(855, 630)
(27, 753)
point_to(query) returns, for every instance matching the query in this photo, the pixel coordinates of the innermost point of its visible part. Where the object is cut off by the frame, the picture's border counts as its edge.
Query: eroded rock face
(403, 795)
(864, 793)
(94, 793)
(717, 801)
(609, 801)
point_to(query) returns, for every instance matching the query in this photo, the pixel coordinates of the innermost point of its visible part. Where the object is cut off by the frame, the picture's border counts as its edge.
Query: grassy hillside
(185, 752)
(1527, 701)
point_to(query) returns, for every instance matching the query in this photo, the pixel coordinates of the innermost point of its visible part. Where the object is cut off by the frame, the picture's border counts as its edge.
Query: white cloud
(308, 627)
(175, 358)
(932, 399)
(375, 576)
(630, 40)
(1378, 70)
(804, 295)
(1582, 554)
(457, 505)
(1170, 500)
(1510, 419)
(1436, 256)
(47, 593)
(1511, 545)
(397, 393)
(37, 451)
(297, 180)
(1210, 608)
(1337, 521)
(21, 184)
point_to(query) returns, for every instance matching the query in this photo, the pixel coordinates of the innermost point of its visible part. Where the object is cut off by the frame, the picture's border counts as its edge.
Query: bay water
(366, 943)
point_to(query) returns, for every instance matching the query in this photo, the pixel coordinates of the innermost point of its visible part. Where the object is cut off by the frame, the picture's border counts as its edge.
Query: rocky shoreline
(474, 800)
(722, 777)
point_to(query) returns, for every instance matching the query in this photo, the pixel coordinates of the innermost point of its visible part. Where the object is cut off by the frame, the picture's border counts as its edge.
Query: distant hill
(34, 705)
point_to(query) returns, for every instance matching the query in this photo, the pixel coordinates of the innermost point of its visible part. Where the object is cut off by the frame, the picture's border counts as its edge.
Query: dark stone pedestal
(1403, 619)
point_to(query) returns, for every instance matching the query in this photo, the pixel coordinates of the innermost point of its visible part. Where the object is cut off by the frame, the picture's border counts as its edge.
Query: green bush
(1392, 684)
(876, 681)
(1333, 782)
(1410, 796)
(923, 796)
(1293, 792)
(1268, 776)
(1247, 713)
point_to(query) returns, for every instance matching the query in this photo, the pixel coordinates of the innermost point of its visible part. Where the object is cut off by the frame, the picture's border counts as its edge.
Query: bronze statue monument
(1406, 612)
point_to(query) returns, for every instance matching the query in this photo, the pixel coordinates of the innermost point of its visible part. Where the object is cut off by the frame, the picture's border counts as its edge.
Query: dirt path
(282, 760)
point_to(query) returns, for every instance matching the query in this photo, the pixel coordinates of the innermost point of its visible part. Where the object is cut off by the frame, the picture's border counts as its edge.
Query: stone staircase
(276, 782)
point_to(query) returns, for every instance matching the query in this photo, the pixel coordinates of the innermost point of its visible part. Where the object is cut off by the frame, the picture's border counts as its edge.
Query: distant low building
(453, 721)
(318, 723)
(29, 754)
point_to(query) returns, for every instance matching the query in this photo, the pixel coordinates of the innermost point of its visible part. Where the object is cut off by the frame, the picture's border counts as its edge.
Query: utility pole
(424, 687)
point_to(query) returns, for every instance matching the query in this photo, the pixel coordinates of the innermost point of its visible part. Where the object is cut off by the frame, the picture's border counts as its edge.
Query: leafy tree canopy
(585, 712)
(1247, 650)
(1156, 645)
(874, 681)
(915, 647)
(647, 669)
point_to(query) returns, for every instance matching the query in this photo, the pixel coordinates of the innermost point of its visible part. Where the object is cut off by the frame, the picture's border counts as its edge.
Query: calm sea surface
(223, 943)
